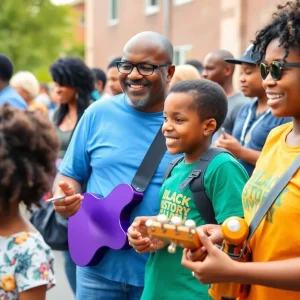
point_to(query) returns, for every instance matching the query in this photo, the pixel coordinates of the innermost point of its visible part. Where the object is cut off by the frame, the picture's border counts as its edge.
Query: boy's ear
(210, 127)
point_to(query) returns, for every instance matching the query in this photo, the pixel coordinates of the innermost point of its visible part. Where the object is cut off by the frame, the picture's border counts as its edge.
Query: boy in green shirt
(193, 111)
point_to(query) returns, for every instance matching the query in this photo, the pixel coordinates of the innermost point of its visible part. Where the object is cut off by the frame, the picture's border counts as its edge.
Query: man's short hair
(99, 75)
(195, 63)
(209, 98)
(112, 63)
(6, 68)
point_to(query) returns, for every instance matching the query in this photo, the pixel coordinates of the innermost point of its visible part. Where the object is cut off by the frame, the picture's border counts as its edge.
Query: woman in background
(74, 85)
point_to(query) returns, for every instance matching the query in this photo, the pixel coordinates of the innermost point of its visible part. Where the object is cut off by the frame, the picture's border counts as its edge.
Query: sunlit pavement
(62, 290)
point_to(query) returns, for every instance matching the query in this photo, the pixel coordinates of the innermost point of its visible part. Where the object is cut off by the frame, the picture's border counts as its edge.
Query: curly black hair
(285, 26)
(73, 72)
(28, 149)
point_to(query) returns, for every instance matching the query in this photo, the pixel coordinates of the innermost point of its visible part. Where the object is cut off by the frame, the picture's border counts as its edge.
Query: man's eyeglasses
(144, 69)
(275, 69)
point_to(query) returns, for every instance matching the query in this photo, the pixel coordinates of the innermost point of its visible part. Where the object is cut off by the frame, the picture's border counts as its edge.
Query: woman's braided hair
(28, 149)
(285, 26)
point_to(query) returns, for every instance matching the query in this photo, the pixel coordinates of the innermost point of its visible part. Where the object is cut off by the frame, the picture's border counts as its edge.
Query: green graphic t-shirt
(224, 181)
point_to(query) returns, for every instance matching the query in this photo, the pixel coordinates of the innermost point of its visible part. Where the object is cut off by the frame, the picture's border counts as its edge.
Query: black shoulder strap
(150, 163)
(202, 202)
(171, 166)
(196, 183)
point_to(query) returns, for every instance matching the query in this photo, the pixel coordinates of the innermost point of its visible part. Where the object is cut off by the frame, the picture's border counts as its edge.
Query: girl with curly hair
(274, 272)
(28, 149)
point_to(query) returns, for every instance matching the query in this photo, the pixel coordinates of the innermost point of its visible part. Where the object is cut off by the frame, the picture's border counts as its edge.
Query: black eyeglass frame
(279, 65)
(154, 67)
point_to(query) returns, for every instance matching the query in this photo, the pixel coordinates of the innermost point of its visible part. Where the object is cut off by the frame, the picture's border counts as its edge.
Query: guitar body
(101, 223)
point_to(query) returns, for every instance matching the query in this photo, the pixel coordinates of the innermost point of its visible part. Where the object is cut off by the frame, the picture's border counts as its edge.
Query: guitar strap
(270, 199)
(150, 163)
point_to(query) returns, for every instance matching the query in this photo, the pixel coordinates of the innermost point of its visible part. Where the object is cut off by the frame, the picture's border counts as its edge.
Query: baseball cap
(246, 58)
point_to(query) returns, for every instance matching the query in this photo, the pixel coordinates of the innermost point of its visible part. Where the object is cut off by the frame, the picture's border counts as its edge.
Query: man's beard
(141, 103)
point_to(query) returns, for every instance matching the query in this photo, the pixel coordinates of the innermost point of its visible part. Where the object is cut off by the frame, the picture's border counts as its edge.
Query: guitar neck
(179, 235)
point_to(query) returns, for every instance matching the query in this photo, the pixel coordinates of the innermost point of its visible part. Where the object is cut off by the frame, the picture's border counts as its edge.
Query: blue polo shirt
(10, 96)
(251, 130)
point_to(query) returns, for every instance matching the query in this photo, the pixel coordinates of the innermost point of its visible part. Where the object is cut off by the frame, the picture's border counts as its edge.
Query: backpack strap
(171, 166)
(196, 185)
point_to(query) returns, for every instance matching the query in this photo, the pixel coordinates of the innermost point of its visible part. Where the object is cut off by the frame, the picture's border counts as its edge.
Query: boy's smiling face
(183, 129)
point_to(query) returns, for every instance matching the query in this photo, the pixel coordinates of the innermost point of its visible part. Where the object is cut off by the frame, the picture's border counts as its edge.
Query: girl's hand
(139, 238)
(229, 143)
(216, 267)
(214, 232)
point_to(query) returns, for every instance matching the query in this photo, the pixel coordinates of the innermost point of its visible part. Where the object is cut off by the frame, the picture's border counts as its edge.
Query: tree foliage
(33, 33)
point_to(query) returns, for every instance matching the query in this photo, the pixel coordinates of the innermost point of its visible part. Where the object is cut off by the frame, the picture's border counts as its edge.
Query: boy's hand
(68, 206)
(229, 143)
(139, 238)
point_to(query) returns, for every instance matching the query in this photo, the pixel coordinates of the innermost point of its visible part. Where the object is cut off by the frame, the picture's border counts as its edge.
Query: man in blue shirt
(7, 93)
(107, 148)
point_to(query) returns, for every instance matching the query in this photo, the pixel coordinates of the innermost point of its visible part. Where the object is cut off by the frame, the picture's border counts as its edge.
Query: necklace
(69, 120)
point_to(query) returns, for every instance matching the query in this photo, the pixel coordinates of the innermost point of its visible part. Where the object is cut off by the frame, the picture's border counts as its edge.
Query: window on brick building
(181, 54)
(113, 12)
(81, 20)
(181, 2)
(151, 7)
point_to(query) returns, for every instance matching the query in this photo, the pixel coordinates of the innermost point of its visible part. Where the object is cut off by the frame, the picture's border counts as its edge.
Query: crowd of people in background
(97, 118)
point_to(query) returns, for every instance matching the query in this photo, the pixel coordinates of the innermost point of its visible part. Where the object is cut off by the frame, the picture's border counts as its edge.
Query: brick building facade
(78, 20)
(195, 27)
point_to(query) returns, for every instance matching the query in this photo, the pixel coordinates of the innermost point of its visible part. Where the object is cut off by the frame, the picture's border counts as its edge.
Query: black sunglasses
(144, 69)
(275, 69)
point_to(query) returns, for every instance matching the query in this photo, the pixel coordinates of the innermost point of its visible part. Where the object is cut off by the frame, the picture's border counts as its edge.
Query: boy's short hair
(6, 68)
(209, 98)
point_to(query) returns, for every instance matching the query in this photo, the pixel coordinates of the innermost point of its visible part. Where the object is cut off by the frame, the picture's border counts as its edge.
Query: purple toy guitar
(101, 223)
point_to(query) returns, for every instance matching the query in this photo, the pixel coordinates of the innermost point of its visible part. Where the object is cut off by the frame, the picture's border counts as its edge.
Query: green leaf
(7, 260)
(36, 274)
(10, 245)
(39, 33)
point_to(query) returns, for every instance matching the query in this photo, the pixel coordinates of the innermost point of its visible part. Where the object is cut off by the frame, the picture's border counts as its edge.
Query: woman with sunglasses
(255, 120)
(274, 272)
